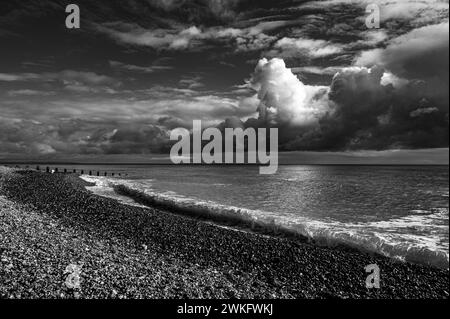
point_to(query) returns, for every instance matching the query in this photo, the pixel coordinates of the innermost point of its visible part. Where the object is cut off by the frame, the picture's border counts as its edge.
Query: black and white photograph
(227, 155)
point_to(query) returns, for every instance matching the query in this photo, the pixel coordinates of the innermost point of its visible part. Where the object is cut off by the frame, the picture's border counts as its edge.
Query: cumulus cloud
(363, 108)
(419, 55)
(370, 115)
(391, 79)
(284, 99)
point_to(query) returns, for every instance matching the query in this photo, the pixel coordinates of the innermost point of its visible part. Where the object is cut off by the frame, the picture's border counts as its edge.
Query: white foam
(104, 187)
(401, 238)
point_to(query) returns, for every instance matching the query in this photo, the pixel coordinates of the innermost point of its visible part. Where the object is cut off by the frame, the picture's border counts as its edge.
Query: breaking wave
(375, 237)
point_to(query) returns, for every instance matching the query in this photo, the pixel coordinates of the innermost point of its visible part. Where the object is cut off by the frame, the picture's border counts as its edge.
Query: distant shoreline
(193, 164)
(50, 220)
(431, 156)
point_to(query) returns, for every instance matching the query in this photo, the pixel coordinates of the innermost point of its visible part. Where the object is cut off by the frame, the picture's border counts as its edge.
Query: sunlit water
(401, 212)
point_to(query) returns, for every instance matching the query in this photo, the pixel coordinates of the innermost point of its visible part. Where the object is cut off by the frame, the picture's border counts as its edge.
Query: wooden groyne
(65, 170)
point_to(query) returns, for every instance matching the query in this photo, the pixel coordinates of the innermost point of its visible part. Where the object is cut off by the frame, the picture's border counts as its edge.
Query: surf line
(229, 149)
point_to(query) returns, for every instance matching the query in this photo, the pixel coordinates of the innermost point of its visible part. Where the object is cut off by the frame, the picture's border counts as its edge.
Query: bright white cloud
(284, 98)
(395, 81)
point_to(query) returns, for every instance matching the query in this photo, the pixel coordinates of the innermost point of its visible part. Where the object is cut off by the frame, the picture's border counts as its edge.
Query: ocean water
(398, 211)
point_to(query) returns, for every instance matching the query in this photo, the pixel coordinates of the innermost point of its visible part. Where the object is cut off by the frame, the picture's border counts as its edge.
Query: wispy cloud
(140, 69)
(70, 80)
(248, 38)
(28, 92)
(308, 47)
(66, 75)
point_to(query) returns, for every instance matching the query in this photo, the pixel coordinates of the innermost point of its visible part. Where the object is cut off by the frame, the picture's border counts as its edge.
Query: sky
(137, 69)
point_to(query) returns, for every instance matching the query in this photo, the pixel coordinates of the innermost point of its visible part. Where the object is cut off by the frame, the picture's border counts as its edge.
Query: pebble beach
(53, 229)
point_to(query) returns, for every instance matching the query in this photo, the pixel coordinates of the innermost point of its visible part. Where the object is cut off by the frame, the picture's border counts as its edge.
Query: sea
(398, 211)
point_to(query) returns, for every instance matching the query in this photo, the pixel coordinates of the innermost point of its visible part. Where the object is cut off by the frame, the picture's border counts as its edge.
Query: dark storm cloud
(81, 137)
(369, 115)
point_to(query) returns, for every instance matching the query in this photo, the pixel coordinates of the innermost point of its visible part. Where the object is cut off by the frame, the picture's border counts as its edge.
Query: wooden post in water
(38, 168)
(98, 173)
(106, 173)
(47, 169)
